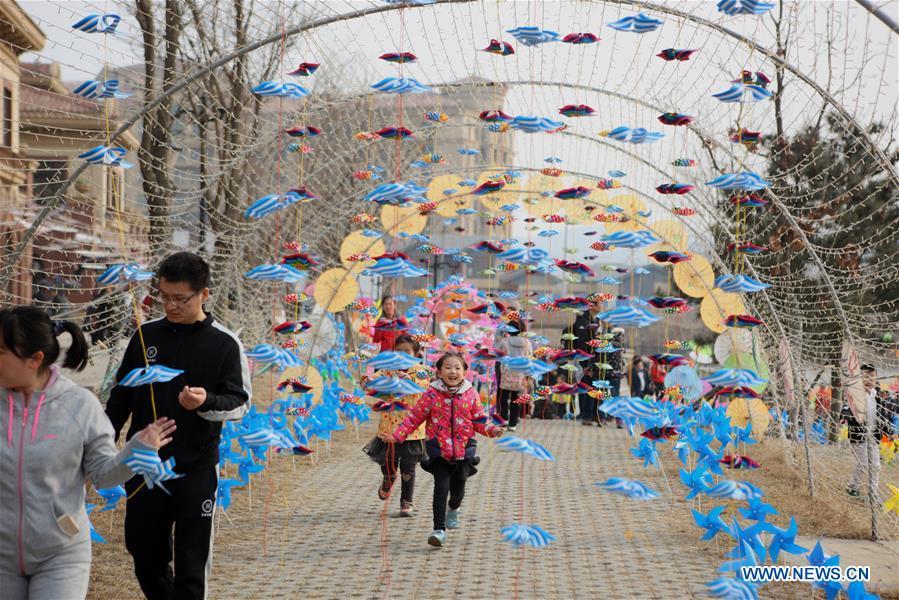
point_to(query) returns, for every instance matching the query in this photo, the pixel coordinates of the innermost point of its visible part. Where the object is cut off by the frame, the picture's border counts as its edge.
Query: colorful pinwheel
(669, 54)
(499, 47)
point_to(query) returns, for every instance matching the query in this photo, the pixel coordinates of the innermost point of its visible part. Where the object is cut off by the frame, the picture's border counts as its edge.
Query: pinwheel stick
(667, 483)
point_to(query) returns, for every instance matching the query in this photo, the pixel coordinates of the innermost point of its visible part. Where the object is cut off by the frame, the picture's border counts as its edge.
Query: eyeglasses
(165, 299)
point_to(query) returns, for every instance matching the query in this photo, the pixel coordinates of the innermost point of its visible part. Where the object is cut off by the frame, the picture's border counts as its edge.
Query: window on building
(8, 122)
(48, 179)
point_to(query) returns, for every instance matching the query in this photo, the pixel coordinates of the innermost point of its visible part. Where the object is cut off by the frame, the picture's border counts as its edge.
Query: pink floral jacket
(451, 419)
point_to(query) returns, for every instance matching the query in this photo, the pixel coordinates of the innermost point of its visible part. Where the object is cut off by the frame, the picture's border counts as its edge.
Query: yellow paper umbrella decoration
(631, 204)
(402, 219)
(674, 235)
(576, 211)
(717, 306)
(334, 289)
(695, 277)
(313, 379)
(447, 205)
(536, 205)
(750, 410)
(356, 243)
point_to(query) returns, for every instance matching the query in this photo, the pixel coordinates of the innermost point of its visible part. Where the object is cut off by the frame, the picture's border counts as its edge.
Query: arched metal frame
(13, 258)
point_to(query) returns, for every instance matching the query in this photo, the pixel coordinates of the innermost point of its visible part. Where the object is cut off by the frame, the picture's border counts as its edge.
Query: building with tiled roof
(56, 126)
(18, 34)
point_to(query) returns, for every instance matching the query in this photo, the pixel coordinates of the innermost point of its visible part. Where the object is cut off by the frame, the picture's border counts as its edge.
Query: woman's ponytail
(77, 354)
(27, 330)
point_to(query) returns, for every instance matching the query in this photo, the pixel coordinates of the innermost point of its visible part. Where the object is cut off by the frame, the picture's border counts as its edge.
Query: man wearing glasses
(214, 387)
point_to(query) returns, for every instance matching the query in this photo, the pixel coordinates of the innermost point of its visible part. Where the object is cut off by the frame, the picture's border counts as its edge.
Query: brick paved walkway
(319, 534)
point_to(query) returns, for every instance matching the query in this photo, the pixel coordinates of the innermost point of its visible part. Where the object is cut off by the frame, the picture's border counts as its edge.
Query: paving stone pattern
(325, 537)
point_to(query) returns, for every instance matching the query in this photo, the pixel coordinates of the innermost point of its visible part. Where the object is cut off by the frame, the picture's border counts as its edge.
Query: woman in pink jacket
(453, 413)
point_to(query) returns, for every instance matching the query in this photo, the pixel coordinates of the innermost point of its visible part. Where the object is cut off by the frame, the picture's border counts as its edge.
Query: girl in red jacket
(453, 413)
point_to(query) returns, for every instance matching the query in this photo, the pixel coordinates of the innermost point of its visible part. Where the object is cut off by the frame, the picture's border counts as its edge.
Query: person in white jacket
(55, 436)
(511, 383)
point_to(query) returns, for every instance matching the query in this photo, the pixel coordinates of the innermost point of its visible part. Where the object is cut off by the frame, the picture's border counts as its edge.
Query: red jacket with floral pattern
(451, 419)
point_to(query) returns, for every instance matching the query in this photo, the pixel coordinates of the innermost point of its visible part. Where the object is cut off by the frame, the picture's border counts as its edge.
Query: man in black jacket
(214, 387)
(586, 328)
(864, 437)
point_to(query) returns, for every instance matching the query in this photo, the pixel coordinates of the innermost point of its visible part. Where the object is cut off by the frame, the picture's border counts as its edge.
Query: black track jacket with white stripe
(212, 358)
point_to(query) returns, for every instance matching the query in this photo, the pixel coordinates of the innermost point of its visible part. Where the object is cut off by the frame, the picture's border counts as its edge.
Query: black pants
(407, 475)
(588, 407)
(149, 518)
(509, 410)
(449, 480)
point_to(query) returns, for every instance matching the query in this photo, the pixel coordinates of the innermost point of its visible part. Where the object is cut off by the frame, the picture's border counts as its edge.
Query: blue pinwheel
(533, 36)
(784, 540)
(757, 510)
(398, 361)
(734, 490)
(279, 89)
(94, 89)
(396, 193)
(283, 273)
(112, 496)
(747, 180)
(392, 386)
(247, 466)
(400, 85)
(98, 23)
(530, 367)
(95, 536)
(631, 239)
(647, 451)
(510, 443)
(639, 23)
(734, 377)
(739, 284)
(531, 535)
(711, 522)
(154, 470)
(742, 555)
(394, 266)
(744, 7)
(733, 589)
(147, 375)
(628, 487)
(856, 591)
(123, 273)
(103, 155)
(534, 124)
(743, 435)
(698, 481)
(628, 316)
(223, 495)
(633, 135)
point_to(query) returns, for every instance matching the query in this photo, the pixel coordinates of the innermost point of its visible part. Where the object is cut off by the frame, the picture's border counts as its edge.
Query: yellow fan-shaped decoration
(356, 243)
(313, 379)
(717, 306)
(631, 204)
(334, 289)
(750, 410)
(674, 235)
(402, 219)
(447, 205)
(576, 211)
(695, 277)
